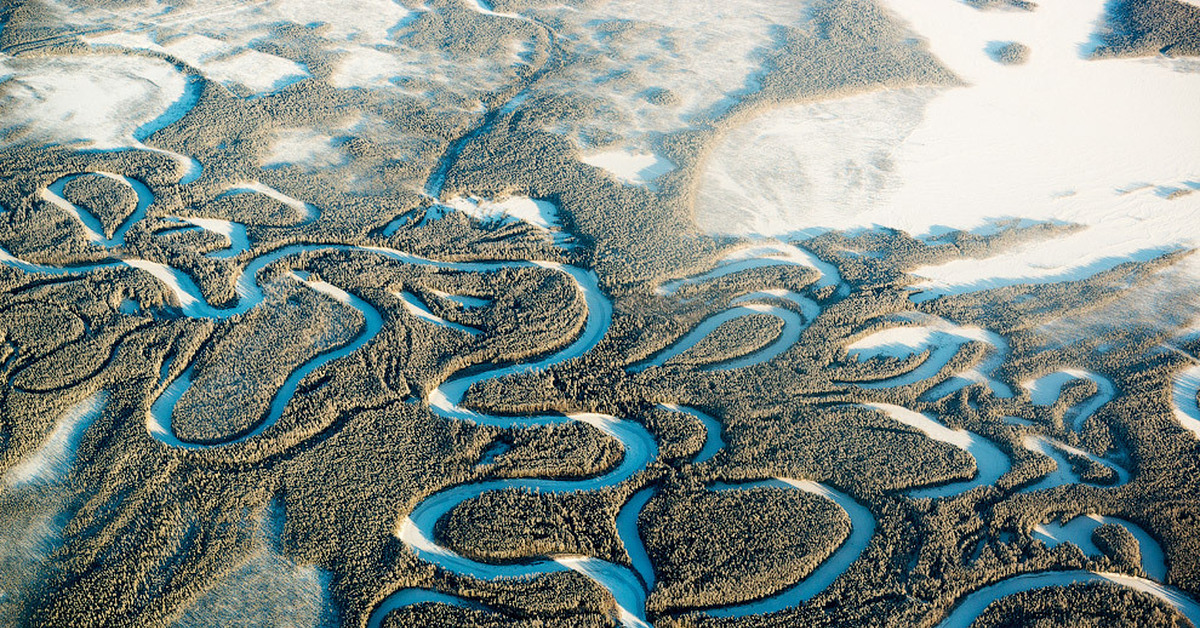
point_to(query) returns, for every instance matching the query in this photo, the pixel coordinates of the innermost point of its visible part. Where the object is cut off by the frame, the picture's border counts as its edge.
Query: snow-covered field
(256, 71)
(1110, 144)
(222, 40)
(52, 461)
(92, 101)
(636, 168)
(266, 588)
(660, 66)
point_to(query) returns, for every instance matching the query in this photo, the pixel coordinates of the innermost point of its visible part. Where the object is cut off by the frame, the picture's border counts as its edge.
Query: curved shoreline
(1183, 397)
(158, 419)
(746, 305)
(969, 608)
(91, 224)
(943, 339)
(991, 463)
(862, 529)
(628, 586)
(1078, 531)
(1046, 390)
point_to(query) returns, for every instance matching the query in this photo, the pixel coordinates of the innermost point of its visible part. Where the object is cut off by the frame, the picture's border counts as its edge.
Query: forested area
(528, 364)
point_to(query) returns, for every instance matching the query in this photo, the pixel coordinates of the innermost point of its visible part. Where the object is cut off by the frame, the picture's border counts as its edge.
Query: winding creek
(1078, 531)
(630, 584)
(1045, 390)
(990, 461)
(91, 224)
(862, 528)
(794, 324)
(975, 603)
(1184, 399)
(942, 339)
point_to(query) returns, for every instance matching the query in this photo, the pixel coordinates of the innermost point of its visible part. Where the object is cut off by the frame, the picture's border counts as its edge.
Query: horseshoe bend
(599, 313)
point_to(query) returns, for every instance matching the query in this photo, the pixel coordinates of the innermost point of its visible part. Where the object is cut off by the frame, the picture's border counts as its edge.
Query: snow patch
(1184, 399)
(86, 101)
(421, 311)
(1058, 138)
(466, 301)
(943, 339)
(364, 22)
(269, 589)
(52, 461)
(261, 73)
(705, 55)
(310, 149)
(307, 211)
(542, 214)
(235, 232)
(631, 167)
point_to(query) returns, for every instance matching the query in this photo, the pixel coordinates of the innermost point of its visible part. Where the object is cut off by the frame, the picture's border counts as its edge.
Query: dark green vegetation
(1010, 53)
(235, 376)
(150, 530)
(1079, 606)
(1023, 5)
(1118, 543)
(733, 339)
(1148, 27)
(440, 615)
(508, 525)
(110, 200)
(780, 537)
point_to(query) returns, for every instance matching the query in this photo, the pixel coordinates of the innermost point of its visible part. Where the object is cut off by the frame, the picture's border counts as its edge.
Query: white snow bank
(1059, 138)
(466, 301)
(307, 211)
(421, 311)
(235, 232)
(762, 254)
(896, 342)
(541, 214)
(943, 339)
(1064, 472)
(630, 166)
(1046, 390)
(1183, 399)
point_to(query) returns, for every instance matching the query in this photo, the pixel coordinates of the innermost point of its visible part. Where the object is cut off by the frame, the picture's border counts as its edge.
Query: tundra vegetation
(1010, 53)
(1023, 5)
(134, 530)
(1137, 28)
